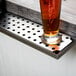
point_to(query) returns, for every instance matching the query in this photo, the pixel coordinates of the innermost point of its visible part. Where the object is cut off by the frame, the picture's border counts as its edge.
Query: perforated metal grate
(32, 32)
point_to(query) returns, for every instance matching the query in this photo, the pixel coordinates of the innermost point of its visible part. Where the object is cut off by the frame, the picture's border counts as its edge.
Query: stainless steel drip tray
(30, 33)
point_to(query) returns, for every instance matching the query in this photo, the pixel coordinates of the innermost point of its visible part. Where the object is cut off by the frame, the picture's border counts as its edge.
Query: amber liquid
(50, 11)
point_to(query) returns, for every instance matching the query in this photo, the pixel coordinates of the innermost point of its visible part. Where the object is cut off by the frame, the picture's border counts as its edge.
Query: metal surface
(30, 33)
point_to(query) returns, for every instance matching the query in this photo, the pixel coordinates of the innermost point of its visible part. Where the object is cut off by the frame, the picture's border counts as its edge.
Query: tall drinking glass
(50, 12)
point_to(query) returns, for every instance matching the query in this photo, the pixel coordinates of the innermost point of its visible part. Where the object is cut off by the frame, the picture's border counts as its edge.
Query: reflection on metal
(30, 33)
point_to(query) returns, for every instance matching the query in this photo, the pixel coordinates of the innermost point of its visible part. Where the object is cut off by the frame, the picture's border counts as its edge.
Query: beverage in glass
(50, 12)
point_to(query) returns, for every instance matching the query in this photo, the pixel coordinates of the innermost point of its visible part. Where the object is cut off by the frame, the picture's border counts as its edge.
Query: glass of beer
(50, 12)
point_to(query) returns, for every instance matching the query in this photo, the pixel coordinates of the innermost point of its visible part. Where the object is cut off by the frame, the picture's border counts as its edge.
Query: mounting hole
(56, 51)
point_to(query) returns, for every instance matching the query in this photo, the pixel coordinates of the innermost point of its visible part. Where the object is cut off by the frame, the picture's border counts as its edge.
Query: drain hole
(23, 24)
(34, 33)
(13, 24)
(13, 15)
(18, 17)
(23, 29)
(13, 20)
(9, 23)
(18, 22)
(28, 31)
(18, 27)
(40, 36)
(8, 18)
(32, 23)
(38, 31)
(4, 20)
(33, 28)
(29, 37)
(9, 14)
(23, 19)
(46, 45)
(8, 27)
(37, 25)
(62, 41)
(3, 25)
(13, 30)
(56, 51)
(23, 34)
(40, 42)
(27, 21)
(18, 32)
(53, 48)
(27, 26)
(34, 40)
(58, 44)
(67, 37)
